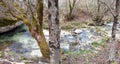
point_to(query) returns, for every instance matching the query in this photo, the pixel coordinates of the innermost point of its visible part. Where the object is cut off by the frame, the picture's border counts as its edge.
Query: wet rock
(74, 47)
(65, 48)
(69, 38)
(84, 36)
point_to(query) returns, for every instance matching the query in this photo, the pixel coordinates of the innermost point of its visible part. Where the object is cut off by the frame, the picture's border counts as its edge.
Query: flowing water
(20, 40)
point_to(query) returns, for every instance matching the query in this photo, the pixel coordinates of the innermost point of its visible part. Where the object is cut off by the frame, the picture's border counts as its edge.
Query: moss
(71, 25)
(10, 52)
(23, 58)
(85, 52)
(6, 22)
(76, 23)
(101, 43)
(67, 27)
(79, 53)
(113, 62)
(95, 44)
(1, 54)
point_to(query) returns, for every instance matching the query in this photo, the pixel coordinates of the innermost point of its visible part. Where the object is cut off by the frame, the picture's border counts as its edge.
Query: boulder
(10, 27)
(7, 21)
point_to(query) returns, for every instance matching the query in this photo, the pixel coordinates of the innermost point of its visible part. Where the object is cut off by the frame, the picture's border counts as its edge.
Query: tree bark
(45, 50)
(72, 5)
(54, 32)
(114, 28)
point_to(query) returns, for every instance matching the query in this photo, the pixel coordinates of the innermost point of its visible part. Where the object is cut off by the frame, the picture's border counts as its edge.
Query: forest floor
(99, 55)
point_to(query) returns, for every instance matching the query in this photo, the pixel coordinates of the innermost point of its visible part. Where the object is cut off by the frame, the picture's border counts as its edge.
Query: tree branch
(108, 8)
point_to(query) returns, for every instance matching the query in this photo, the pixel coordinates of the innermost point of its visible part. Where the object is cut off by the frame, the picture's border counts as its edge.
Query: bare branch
(32, 13)
(108, 8)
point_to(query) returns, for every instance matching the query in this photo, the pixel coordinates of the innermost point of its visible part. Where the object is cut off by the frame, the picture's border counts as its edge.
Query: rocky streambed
(20, 42)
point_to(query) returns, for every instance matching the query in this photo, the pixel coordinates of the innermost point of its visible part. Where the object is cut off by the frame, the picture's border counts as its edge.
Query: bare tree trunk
(114, 28)
(99, 16)
(72, 5)
(54, 32)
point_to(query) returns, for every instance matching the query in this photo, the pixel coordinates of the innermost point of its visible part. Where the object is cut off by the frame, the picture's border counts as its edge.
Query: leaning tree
(31, 13)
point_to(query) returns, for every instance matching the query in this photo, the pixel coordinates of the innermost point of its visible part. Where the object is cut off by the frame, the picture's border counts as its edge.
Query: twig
(108, 8)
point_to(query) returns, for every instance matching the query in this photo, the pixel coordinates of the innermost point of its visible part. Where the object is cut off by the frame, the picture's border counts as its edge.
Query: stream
(21, 42)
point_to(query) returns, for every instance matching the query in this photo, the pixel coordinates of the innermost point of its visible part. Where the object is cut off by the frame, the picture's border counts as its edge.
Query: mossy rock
(7, 24)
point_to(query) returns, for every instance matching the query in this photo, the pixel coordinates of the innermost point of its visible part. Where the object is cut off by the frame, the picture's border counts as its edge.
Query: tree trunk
(99, 16)
(54, 32)
(34, 25)
(40, 38)
(72, 5)
(44, 47)
(114, 28)
(45, 50)
(37, 31)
